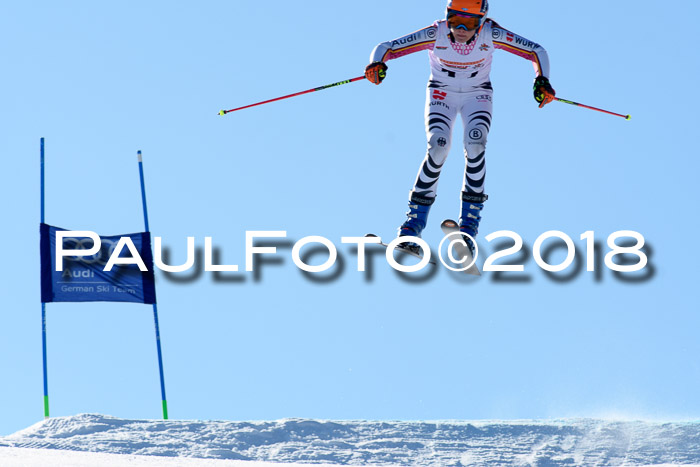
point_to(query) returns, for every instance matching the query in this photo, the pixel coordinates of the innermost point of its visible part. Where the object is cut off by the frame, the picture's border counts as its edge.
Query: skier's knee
(439, 145)
(474, 150)
(475, 140)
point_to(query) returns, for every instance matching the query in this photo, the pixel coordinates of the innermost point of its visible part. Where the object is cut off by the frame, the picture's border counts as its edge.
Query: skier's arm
(505, 40)
(423, 39)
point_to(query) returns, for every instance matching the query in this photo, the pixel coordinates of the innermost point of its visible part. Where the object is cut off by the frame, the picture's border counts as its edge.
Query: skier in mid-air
(460, 49)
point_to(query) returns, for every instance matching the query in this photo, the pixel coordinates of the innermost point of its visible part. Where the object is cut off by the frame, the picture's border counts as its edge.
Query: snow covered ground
(26, 457)
(87, 440)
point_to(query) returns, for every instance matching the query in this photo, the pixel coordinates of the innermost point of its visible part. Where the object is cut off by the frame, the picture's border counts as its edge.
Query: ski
(402, 250)
(450, 228)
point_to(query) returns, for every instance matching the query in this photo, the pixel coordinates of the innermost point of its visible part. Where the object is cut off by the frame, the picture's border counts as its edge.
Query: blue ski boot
(472, 204)
(416, 220)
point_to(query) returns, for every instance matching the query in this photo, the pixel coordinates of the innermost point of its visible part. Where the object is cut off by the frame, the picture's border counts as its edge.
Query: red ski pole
(320, 88)
(626, 117)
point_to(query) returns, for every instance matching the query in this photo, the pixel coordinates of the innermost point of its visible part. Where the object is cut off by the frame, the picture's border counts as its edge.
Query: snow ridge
(444, 443)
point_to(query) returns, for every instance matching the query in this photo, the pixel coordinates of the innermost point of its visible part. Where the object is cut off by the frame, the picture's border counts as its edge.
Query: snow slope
(26, 457)
(564, 442)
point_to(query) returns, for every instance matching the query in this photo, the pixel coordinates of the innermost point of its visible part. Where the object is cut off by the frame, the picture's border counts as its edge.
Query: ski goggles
(468, 22)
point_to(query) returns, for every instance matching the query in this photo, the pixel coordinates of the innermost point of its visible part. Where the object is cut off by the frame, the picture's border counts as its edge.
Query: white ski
(402, 250)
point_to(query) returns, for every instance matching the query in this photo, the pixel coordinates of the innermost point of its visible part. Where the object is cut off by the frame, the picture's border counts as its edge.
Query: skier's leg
(476, 115)
(440, 114)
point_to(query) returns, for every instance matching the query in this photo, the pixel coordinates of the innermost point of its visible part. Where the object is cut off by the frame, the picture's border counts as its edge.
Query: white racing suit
(459, 85)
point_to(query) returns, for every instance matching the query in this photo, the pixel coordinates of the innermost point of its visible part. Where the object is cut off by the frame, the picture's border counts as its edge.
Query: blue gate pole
(43, 305)
(155, 307)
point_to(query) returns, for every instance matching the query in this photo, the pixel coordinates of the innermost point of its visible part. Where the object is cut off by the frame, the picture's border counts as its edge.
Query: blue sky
(102, 81)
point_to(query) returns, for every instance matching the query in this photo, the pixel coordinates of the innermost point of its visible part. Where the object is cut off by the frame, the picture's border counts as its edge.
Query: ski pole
(320, 88)
(626, 117)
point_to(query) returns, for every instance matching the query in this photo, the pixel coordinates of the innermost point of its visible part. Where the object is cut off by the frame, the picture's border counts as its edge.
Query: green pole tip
(629, 117)
(221, 112)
